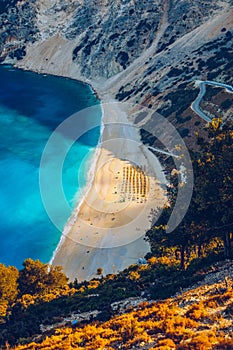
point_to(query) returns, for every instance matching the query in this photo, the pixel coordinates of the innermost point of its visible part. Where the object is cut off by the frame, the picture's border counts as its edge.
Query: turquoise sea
(32, 106)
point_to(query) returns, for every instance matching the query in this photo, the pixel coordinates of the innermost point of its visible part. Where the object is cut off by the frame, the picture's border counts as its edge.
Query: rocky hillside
(146, 52)
(17, 28)
(109, 35)
(199, 317)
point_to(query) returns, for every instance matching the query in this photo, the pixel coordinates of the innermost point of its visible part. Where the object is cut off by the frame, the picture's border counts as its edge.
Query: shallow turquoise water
(31, 108)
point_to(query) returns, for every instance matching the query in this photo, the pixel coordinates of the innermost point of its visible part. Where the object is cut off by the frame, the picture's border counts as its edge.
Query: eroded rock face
(148, 52)
(17, 27)
(5, 4)
(184, 16)
(113, 34)
(110, 35)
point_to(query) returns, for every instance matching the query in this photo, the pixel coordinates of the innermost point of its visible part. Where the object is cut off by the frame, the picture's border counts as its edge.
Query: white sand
(107, 230)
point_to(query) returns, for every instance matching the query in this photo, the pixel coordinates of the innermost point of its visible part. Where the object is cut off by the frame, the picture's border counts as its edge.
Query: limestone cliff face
(17, 28)
(118, 32)
(148, 52)
(107, 35)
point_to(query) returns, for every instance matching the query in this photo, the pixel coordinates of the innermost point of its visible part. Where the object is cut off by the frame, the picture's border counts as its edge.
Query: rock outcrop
(145, 52)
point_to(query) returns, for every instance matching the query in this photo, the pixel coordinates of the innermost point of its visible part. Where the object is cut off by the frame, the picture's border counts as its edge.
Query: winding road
(202, 85)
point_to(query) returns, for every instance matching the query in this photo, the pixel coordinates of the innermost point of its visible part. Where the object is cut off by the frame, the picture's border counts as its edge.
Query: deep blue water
(32, 106)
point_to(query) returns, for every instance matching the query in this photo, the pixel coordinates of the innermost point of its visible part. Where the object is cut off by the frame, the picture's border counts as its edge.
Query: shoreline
(90, 177)
(86, 189)
(119, 243)
(37, 71)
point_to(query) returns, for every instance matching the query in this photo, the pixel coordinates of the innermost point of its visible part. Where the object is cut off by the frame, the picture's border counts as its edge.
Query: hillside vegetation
(148, 53)
(197, 319)
(38, 295)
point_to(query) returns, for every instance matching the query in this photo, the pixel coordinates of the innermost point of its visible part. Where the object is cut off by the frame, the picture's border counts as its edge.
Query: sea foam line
(90, 180)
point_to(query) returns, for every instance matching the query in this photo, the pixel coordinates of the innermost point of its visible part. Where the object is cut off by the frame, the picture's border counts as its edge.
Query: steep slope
(147, 52)
(197, 318)
(17, 28)
(106, 37)
(166, 82)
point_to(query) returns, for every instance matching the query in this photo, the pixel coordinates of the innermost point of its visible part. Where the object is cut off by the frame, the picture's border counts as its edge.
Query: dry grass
(198, 319)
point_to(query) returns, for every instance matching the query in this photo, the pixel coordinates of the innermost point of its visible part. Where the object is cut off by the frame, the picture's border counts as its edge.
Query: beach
(126, 185)
(30, 118)
(107, 227)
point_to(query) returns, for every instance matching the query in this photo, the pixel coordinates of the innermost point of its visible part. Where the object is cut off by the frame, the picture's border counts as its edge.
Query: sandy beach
(107, 228)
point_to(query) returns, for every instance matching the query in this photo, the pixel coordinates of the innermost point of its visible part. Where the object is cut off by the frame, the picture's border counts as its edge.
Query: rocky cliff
(149, 52)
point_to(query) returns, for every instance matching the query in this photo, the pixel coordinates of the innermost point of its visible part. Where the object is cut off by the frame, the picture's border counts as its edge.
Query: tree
(99, 271)
(8, 287)
(214, 184)
(210, 212)
(37, 278)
